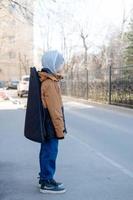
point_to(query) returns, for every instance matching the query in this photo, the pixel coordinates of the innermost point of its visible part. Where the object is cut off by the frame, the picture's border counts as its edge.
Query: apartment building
(16, 42)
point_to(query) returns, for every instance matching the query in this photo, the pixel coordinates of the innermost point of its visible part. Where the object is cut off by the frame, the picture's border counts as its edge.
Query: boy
(52, 62)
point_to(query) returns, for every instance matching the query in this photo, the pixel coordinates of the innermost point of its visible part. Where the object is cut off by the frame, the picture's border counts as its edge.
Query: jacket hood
(53, 61)
(43, 76)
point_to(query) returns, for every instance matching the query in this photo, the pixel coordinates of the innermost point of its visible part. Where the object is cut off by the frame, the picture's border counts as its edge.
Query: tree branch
(21, 6)
(26, 13)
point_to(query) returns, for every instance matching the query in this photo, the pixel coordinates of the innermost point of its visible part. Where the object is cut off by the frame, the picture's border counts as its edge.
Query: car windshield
(1, 84)
(15, 81)
(26, 79)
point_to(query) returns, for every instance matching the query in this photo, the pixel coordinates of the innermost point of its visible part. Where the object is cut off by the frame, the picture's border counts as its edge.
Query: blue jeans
(48, 155)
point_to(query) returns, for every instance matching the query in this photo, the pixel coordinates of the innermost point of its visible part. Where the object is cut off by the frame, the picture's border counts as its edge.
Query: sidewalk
(99, 105)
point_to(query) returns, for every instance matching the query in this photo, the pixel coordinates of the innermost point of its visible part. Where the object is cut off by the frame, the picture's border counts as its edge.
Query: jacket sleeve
(51, 97)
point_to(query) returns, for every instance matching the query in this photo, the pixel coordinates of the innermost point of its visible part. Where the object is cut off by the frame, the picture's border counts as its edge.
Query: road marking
(107, 159)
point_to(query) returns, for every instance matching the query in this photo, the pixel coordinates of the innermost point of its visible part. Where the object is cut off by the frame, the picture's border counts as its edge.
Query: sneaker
(53, 182)
(52, 188)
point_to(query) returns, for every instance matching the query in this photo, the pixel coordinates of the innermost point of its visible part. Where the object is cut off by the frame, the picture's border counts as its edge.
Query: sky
(97, 18)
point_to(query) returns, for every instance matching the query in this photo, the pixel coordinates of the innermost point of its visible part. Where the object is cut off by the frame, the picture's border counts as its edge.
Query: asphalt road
(95, 160)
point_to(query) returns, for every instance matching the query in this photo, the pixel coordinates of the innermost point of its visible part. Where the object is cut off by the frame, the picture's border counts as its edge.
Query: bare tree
(22, 9)
(24, 64)
(84, 38)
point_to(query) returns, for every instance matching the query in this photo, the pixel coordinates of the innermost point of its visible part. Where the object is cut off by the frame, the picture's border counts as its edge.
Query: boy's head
(53, 61)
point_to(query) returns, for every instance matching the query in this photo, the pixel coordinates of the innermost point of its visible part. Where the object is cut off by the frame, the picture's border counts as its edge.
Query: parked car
(23, 86)
(1, 84)
(12, 84)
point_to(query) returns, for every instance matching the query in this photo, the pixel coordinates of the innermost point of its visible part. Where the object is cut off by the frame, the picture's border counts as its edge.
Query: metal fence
(112, 85)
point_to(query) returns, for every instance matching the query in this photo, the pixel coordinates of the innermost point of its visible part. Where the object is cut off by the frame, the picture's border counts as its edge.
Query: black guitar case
(34, 120)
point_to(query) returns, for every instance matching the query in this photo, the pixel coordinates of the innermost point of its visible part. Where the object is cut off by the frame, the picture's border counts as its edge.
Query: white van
(23, 86)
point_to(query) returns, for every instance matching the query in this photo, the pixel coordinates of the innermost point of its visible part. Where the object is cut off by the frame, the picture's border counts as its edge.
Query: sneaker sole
(52, 192)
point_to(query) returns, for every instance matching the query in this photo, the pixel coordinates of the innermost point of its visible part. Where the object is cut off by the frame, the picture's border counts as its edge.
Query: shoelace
(53, 182)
